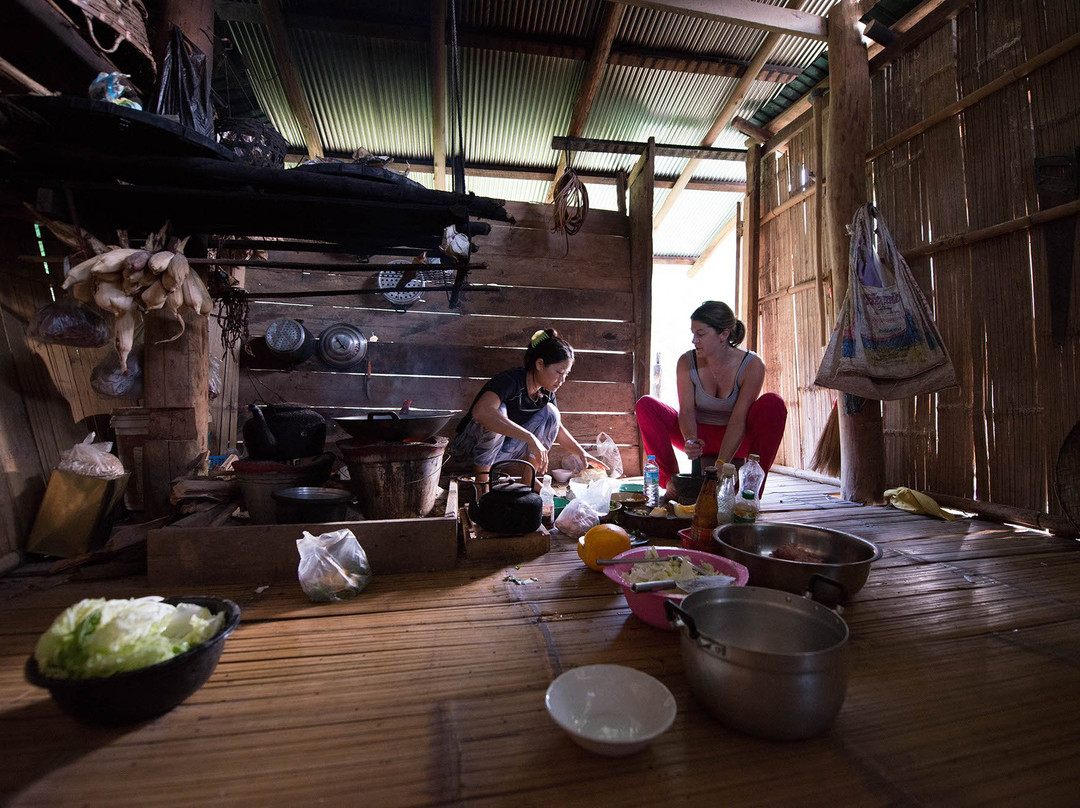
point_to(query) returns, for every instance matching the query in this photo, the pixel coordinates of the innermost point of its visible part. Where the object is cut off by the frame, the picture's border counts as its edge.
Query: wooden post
(176, 373)
(437, 57)
(747, 286)
(641, 265)
(824, 314)
(862, 445)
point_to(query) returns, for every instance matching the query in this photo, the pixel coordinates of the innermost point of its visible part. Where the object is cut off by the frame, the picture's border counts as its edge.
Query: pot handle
(826, 581)
(383, 415)
(524, 463)
(676, 614)
(262, 435)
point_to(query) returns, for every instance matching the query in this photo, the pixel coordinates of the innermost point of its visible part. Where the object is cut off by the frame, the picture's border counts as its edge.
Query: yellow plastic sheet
(907, 499)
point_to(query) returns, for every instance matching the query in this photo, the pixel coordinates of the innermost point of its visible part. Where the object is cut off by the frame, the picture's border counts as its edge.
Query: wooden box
(264, 554)
(483, 544)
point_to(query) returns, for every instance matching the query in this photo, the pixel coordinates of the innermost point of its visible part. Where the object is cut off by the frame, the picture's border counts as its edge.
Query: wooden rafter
(437, 62)
(777, 19)
(290, 76)
(594, 72)
(724, 118)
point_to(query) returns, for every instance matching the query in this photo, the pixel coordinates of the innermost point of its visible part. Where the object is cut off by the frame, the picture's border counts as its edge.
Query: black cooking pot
(283, 432)
(509, 507)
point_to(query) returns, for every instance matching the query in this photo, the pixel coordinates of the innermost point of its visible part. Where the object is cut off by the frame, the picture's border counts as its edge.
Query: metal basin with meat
(389, 426)
(829, 564)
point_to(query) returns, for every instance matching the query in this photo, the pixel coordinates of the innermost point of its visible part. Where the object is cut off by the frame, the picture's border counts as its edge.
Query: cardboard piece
(74, 515)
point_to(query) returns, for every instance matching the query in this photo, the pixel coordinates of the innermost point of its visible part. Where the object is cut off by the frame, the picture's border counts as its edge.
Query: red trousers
(659, 425)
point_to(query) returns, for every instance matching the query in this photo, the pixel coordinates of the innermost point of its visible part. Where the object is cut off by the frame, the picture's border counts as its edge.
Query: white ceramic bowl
(610, 709)
(561, 475)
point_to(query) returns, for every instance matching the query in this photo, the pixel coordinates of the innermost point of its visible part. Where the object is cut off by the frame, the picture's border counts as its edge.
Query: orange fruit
(602, 541)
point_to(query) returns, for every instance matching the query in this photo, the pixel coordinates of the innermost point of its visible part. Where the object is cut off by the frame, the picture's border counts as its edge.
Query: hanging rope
(571, 203)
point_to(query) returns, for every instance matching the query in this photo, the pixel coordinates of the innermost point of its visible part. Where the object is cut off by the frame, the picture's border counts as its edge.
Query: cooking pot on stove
(510, 508)
(283, 432)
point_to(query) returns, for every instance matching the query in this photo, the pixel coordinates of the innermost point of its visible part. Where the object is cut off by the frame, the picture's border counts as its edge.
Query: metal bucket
(395, 480)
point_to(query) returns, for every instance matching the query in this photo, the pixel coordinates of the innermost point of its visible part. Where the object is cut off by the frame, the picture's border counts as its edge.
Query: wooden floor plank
(427, 689)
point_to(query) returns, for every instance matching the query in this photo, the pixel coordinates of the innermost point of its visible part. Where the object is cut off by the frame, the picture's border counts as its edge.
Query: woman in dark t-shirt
(515, 416)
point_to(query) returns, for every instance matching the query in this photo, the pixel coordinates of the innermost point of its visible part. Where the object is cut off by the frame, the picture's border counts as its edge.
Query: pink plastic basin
(649, 606)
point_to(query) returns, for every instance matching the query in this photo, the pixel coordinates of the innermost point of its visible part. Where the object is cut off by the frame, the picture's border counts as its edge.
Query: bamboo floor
(428, 689)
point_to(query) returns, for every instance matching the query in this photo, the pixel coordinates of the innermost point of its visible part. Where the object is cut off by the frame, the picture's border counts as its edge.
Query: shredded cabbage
(99, 637)
(675, 569)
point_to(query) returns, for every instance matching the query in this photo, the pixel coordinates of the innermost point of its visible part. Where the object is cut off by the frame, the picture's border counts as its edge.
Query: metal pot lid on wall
(396, 289)
(342, 346)
(285, 336)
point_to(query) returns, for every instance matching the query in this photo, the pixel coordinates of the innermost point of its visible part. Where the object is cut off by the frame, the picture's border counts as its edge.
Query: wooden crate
(264, 554)
(483, 544)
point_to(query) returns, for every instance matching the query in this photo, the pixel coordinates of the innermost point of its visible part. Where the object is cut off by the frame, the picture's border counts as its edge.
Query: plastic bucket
(395, 480)
(131, 425)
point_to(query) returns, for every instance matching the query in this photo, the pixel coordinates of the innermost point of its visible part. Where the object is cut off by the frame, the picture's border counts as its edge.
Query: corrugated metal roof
(369, 86)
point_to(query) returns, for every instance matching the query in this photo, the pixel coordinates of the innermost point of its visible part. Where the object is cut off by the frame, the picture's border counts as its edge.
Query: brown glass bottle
(704, 521)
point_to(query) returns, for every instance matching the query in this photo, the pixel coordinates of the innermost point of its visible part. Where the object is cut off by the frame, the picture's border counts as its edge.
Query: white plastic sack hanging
(885, 344)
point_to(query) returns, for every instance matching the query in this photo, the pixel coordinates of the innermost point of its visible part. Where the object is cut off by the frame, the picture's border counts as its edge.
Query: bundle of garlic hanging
(126, 282)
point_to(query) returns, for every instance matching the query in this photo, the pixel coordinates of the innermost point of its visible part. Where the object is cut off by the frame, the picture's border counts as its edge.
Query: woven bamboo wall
(996, 437)
(790, 325)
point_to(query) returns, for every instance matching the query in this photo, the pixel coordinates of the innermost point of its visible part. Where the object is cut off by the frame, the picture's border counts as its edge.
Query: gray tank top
(710, 409)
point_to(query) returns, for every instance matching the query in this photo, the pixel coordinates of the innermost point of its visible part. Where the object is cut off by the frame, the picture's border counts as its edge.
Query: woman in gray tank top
(722, 413)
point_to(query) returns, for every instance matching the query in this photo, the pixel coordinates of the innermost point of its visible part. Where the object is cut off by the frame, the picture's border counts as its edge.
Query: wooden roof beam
(290, 76)
(600, 146)
(776, 19)
(437, 60)
(723, 120)
(590, 82)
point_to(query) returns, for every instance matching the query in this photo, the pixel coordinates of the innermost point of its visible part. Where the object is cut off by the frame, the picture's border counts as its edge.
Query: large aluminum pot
(842, 570)
(764, 662)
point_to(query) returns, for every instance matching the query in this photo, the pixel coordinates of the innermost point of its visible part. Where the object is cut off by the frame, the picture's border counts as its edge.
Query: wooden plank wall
(996, 437)
(48, 404)
(439, 357)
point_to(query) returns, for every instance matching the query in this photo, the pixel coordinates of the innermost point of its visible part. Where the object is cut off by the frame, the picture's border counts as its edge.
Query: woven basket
(127, 18)
(255, 142)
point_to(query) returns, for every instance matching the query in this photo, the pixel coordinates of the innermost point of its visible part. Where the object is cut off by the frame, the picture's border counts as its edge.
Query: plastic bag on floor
(92, 460)
(333, 566)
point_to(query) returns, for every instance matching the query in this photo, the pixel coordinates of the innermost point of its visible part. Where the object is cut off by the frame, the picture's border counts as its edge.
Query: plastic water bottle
(725, 495)
(657, 376)
(751, 475)
(547, 502)
(652, 481)
(746, 507)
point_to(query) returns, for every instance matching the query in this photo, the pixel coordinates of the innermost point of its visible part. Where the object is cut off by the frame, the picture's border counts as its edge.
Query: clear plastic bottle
(652, 482)
(746, 507)
(547, 502)
(725, 495)
(751, 475)
(657, 376)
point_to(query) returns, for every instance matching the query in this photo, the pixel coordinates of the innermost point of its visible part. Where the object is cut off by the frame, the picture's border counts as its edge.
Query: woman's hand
(592, 463)
(538, 455)
(694, 448)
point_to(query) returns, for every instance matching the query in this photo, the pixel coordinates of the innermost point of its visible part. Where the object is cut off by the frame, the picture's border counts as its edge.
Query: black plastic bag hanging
(185, 85)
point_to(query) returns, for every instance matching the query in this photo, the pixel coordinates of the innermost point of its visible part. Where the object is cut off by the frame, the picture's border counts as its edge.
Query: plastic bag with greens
(99, 637)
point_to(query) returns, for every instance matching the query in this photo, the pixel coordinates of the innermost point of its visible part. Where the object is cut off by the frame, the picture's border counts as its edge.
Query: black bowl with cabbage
(75, 668)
